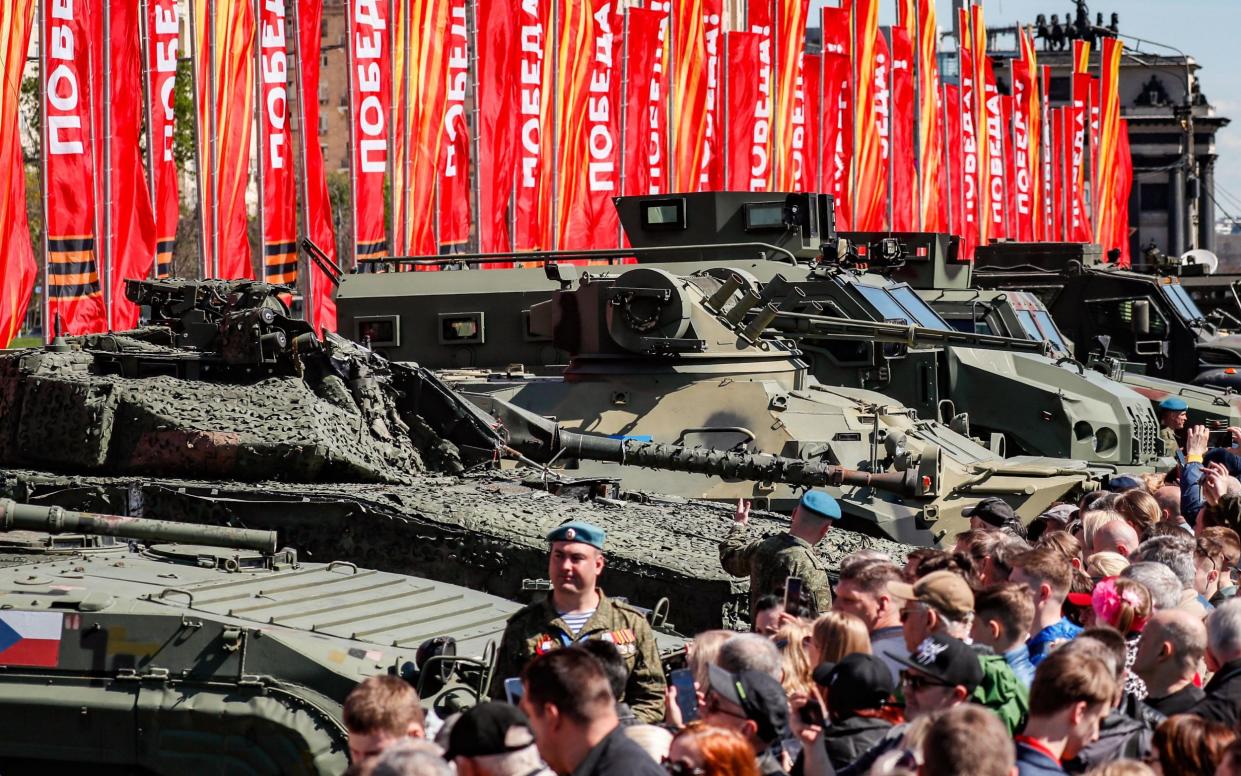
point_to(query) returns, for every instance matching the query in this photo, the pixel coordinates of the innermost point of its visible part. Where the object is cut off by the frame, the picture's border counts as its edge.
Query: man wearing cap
(1173, 412)
(577, 610)
(753, 704)
(770, 562)
(494, 739)
(991, 514)
(941, 603)
(940, 673)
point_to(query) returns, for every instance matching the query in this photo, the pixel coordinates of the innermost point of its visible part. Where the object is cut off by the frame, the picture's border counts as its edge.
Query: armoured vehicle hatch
(1146, 319)
(161, 657)
(227, 410)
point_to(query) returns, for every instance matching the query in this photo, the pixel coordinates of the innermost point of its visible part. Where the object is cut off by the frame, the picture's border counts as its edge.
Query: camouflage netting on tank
(484, 532)
(60, 412)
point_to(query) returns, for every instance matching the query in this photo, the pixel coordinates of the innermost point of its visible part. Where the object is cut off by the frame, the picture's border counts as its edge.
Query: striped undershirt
(576, 620)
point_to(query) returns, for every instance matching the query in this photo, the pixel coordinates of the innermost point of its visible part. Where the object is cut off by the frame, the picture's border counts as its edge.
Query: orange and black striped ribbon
(71, 269)
(280, 263)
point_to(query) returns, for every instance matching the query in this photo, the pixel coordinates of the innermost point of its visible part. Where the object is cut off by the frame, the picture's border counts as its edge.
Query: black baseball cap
(949, 660)
(858, 681)
(760, 697)
(993, 511)
(487, 729)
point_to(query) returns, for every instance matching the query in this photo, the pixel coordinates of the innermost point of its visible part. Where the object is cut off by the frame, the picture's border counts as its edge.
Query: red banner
(954, 160)
(401, 147)
(1062, 156)
(904, 169)
(968, 140)
(713, 150)
(789, 44)
(1077, 223)
(974, 25)
(869, 71)
(369, 41)
(838, 112)
(454, 167)
(590, 138)
(73, 299)
(426, 61)
(1025, 142)
(533, 206)
(688, 93)
(643, 148)
(760, 173)
(163, 31)
(810, 146)
(1010, 167)
(316, 205)
(932, 179)
(498, 44)
(201, 16)
(1122, 186)
(994, 185)
(741, 112)
(131, 224)
(234, 81)
(1047, 220)
(1113, 233)
(275, 148)
(17, 264)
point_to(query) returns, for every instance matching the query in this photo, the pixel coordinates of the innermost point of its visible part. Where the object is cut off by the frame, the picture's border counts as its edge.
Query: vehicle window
(883, 303)
(919, 309)
(1184, 303)
(1117, 315)
(1028, 325)
(1049, 329)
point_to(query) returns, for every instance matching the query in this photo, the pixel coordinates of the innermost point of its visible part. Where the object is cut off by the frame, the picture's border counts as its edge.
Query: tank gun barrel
(29, 517)
(812, 326)
(545, 441)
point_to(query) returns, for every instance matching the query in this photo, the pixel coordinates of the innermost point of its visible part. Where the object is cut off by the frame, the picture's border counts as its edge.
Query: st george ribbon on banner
(369, 44)
(275, 149)
(73, 298)
(163, 49)
(590, 139)
(17, 264)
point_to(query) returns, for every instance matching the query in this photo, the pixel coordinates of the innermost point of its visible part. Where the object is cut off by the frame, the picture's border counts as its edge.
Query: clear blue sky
(1207, 30)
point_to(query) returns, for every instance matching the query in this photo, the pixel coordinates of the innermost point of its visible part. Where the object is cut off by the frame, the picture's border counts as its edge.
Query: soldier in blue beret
(770, 562)
(577, 610)
(1173, 413)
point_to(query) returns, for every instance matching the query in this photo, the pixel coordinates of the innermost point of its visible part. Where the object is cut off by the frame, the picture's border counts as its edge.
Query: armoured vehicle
(225, 410)
(1027, 402)
(1022, 314)
(132, 645)
(1146, 319)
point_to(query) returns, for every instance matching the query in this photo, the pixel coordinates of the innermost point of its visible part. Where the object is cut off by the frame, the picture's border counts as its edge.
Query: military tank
(225, 410)
(136, 645)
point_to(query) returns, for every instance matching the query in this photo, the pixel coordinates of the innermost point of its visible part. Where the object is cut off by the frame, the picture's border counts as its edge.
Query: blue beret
(1123, 483)
(821, 504)
(1173, 404)
(578, 531)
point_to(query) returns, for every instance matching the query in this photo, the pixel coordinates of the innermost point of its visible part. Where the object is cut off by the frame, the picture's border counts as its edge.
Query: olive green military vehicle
(145, 646)
(1022, 314)
(1141, 318)
(784, 249)
(227, 411)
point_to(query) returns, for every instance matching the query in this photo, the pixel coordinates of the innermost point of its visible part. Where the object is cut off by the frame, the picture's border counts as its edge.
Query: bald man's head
(1117, 536)
(1171, 646)
(1169, 499)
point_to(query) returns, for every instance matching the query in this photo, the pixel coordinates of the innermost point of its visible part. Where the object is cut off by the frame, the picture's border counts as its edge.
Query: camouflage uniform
(538, 628)
(768, 562)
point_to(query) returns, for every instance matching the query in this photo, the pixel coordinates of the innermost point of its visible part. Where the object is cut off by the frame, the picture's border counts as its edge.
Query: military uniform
(1170, 443)
(538, 629)
(769, 562)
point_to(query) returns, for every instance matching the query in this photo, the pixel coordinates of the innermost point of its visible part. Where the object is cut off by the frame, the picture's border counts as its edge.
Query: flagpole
(48, 324)
(144, 45)
(305, 279)
(105, 117)
(213, 121)
(624, 114)
(260, 157)
(353, 134)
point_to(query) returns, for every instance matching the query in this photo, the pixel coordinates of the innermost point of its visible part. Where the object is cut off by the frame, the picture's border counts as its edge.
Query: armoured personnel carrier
(1141, 318)
(131, 645)
(226, 410)
(784, 248)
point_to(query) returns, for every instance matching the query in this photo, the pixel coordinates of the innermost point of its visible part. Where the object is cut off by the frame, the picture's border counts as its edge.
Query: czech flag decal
(30, 638)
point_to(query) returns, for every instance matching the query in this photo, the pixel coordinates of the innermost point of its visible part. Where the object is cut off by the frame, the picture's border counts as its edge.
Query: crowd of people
(1102, 637)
